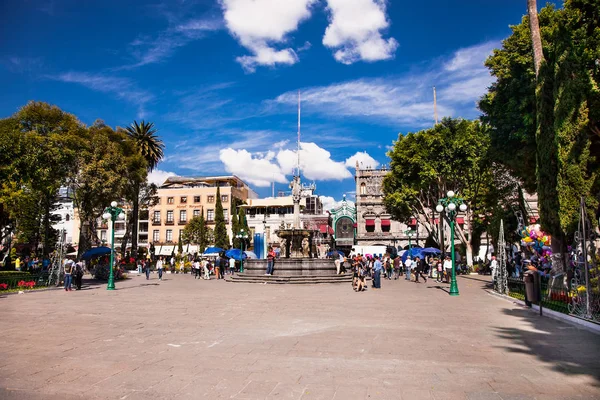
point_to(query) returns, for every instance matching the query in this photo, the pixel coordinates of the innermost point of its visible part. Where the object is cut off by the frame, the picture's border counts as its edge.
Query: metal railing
(23, 281)
(553, 298)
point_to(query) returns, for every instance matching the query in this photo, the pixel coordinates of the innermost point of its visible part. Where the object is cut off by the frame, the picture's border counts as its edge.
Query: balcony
(156, 222)
(167, 222)
(182, 222)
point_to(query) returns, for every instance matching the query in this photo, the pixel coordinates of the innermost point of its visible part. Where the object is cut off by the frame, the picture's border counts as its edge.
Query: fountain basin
(292, 266)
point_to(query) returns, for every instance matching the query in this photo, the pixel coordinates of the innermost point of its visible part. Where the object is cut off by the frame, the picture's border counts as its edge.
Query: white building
(67, 213)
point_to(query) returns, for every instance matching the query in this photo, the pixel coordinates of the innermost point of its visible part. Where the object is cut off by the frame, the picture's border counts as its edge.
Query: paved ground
(187, 339)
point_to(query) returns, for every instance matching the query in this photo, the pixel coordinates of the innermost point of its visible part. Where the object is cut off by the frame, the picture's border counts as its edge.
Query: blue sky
(220, 78)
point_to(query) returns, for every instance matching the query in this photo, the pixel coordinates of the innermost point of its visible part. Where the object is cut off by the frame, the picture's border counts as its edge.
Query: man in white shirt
(448, 268)
(494, 268)
(231, 266)
(159, 268)
(205, 268)
(407, 265)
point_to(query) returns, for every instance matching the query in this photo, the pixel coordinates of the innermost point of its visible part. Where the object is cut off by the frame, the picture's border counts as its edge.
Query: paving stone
(187, 339)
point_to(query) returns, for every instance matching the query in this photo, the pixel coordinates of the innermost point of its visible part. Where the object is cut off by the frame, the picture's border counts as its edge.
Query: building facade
(344, 224)
(374, 225)
(181, 199)
(66, 212)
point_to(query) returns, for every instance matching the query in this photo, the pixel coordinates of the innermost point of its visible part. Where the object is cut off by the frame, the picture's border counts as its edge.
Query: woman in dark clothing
(419, 268)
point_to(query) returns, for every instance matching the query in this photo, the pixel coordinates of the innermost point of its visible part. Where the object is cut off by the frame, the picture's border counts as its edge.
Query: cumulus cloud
(258, 170)
(363, 159)
(315, 163)
(158, 177)
(355, 31)
(260, 24)
(261, 169)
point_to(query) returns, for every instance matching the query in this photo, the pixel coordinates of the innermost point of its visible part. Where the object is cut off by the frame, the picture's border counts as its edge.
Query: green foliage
(147, 142)
(562, 130)
(221, 237)
(196, 233)
(179, 246)
(234, 223)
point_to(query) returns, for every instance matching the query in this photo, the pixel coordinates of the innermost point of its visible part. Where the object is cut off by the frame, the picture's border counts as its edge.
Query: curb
(569, 319)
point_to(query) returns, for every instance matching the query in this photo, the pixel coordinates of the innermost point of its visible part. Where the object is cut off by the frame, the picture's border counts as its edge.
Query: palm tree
(152, 149)
(146, 140)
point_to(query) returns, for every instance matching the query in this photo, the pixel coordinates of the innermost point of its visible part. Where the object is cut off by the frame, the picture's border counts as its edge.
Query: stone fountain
(297, 256)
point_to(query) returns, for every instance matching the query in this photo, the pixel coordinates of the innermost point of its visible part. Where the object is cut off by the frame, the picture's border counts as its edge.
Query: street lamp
(410, 233)
(113, 213)
(450, 205)
(242, 236)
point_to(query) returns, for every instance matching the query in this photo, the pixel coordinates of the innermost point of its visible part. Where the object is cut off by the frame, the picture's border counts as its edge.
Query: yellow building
(181, 199)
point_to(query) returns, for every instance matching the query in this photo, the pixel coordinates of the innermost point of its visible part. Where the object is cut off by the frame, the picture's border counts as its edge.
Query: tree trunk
(83, 243)
(135, 221)
(536, 38)
(125, 239)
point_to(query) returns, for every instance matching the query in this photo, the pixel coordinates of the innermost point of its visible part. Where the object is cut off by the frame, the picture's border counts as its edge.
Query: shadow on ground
(554, 342)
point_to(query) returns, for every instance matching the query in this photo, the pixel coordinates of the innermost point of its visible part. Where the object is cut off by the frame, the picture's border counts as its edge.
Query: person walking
(231, 266)
(447, 268)
(159, 268)
(396, 267)
(407, 266)
(196, 268)
(389, 268)
(68, 274)
(494, 268)
(147, 269)
(271, 261)
(420, 269)
(206, 270)
(218, 267)
(377, 273)
(78, 274)
(440, 270)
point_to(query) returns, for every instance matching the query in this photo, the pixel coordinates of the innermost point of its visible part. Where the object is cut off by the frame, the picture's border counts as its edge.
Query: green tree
(544, 111)
(196, 233)
(44, 143)
(151, 147)
(221, 237)
(426, 164)
(234, 223)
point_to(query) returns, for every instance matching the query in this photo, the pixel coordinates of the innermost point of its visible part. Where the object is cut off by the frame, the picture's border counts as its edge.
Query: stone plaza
(182, 338)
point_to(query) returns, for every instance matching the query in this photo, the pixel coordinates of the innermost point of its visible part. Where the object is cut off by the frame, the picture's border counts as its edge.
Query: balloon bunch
(532, 236)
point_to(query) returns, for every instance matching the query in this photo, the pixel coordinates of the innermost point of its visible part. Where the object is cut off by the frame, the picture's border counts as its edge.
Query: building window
(67, 217)
(103, 236)
(156, 236)
(210, 199)
(170, 216)
(196, 199)
(169, 235)
(224, 198)
(210, 215)
(363, 188)
(183, 199)
(170, 200)
(156, 217)
(183, 216)
(226, 214)
(196, 213)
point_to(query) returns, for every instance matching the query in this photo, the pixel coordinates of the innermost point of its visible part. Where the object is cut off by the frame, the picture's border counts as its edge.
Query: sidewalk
(183, 338)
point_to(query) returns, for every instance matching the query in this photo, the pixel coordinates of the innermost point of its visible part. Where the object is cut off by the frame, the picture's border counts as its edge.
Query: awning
(460, 220)
(355, 225)
(370, 222)
(436, 221)
(385, 222)
(325, 228)
(330, 230)
(164, 250)
(413, 221)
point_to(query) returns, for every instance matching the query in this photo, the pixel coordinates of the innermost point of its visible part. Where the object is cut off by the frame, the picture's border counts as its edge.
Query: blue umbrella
(236, 254)
(335, 253)
(431, 250)
(96, 252)
(213, 250)
(413, 252)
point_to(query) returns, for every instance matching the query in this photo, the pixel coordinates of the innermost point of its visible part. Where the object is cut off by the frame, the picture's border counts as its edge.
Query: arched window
(363, 188)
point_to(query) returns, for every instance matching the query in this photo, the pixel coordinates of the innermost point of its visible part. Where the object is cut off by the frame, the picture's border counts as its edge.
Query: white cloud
(330, 203)
(158, 177)
(364, 160)
(355, 29)
(256, 170)
(315, 163)
(122, 88)
(260, 24)
(407, 99)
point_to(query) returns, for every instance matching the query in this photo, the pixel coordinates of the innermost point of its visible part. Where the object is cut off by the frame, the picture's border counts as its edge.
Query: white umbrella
(250, 254)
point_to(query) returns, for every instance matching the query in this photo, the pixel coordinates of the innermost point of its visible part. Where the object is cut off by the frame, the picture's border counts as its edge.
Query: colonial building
(181, 199)
(344, 223)
(374, 225)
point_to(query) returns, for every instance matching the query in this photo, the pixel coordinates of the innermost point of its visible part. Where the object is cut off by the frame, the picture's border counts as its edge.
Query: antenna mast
(435, 106)
(298, 165)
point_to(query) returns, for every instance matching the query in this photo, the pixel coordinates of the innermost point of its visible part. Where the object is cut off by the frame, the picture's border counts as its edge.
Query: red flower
(3, 286)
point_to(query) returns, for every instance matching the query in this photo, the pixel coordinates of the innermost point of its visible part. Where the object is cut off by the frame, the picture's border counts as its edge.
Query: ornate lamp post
(242, 236)
(113, 213)
(410, 233)
(450, 205)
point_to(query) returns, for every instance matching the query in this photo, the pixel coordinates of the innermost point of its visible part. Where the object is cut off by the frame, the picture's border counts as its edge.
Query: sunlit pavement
(183, 338)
